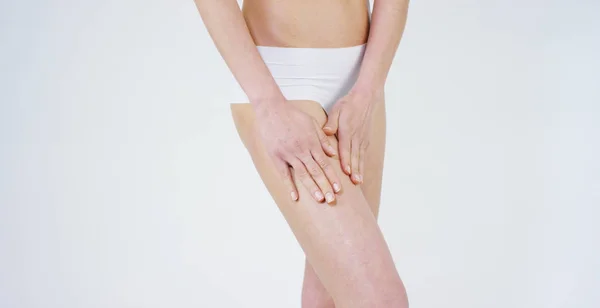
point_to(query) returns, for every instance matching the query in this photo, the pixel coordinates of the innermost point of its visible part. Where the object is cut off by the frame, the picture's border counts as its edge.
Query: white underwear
(323, 75)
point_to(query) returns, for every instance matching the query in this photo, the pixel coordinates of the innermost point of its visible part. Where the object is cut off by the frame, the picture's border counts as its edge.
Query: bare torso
(307, 23)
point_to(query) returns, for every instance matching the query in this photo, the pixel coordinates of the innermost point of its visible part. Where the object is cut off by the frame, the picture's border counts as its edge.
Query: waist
(308, 23)
(323, 75)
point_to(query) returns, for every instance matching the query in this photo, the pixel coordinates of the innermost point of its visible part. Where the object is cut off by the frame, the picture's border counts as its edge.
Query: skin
(289, 135)
(348, 260)
(302, 153)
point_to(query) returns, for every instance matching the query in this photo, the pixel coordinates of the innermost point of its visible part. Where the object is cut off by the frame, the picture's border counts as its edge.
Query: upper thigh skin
(374, 157)
(371, 187)
(341, 241)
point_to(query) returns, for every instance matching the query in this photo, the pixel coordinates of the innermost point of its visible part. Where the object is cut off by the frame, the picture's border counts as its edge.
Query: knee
(392, 295)
(317, 303)
(314, 295)
(385, 295)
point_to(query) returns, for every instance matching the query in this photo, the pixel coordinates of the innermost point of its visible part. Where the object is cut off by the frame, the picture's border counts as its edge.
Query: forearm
(387, 25)
(227, 27)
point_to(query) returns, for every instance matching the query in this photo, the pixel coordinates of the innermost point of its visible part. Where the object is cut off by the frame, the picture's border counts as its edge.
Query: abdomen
(307, 23)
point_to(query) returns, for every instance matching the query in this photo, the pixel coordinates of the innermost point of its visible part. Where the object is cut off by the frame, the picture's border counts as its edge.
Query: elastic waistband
(299, 55)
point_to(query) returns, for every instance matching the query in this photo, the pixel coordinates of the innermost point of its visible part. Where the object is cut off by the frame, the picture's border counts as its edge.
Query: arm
(290, 136)
(226, 25)
(353, 124)
(387, 26)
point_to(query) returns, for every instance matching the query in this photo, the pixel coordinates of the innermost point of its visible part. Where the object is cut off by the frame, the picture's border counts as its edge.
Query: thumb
(324, 140)
(331, 126)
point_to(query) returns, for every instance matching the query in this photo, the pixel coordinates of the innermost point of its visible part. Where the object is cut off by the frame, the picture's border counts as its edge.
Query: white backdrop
(124, 184)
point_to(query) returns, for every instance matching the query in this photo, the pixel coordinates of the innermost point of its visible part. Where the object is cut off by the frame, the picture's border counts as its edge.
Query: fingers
(330, 174)
(286, 176)
(323, 189)
(354, 162)
(361, 162)
(305, 177)
(325, 144)
(344, 152)
(331, 126)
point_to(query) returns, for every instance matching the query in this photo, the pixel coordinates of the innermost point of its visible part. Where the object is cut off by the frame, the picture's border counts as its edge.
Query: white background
(124, 184)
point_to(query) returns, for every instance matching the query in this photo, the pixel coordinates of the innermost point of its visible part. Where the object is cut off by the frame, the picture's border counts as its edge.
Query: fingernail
(348, 168)
(360, 178)
(329, 197)
(336, 187)
(294, 195)
(356, 177)
(319, 195)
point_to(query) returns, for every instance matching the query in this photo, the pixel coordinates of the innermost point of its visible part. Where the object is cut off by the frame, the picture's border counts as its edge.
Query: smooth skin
(348, 261)
(289, 135)
(306, 157)
(314, 294)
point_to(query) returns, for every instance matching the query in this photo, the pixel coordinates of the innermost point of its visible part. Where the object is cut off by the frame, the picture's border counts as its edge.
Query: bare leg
(314, 294)
(343, 242)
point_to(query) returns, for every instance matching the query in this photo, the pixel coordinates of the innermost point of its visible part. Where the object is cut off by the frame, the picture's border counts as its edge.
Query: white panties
(323, 75)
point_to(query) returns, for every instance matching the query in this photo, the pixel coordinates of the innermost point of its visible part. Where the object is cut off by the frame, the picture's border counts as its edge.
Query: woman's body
(348, 262)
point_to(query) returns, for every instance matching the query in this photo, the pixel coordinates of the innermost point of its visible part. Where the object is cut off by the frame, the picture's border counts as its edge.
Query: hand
(293, 138)
(350, 118)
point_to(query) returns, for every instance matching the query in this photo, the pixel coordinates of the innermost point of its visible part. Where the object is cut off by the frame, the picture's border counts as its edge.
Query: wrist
(369, 91)
(264, 93)
(368, 79)
(268, 105)
(267, 100)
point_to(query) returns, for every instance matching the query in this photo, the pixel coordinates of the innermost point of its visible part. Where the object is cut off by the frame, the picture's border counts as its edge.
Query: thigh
(342, 241)
(374, 157)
